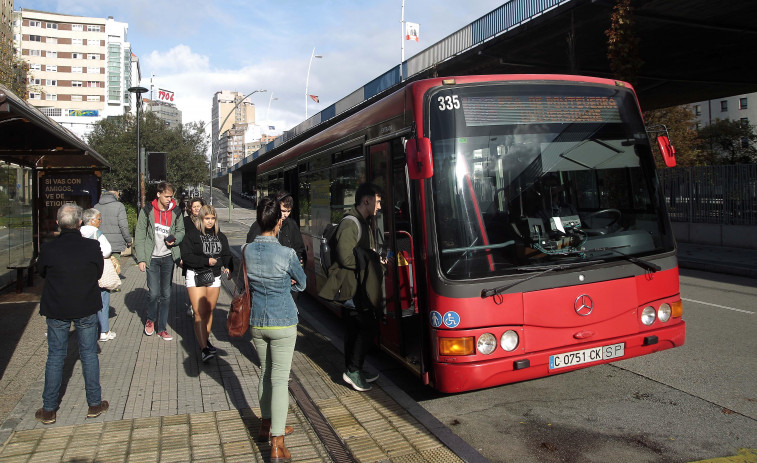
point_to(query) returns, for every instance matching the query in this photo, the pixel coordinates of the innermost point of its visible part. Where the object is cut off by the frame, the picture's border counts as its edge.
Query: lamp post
(307, 80)
(138, 91)
(219, 137)
(267, 110)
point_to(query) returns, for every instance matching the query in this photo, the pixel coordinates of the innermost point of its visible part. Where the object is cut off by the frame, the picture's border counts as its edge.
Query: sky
(197, 48)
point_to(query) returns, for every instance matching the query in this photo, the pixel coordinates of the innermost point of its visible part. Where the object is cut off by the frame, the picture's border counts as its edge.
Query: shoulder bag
(239, 312)
(204, 277)
(109, 279)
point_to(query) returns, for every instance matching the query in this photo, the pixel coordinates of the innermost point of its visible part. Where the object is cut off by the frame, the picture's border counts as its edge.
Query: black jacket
(71, 266)
(197, 248)
(289, 236)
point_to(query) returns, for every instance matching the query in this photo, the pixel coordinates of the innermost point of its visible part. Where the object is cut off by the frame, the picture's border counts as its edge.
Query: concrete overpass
(692, 50)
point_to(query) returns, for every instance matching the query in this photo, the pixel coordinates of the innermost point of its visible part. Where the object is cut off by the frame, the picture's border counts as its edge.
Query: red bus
(525, 214)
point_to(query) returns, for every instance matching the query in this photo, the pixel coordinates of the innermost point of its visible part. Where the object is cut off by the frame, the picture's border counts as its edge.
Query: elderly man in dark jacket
(71, 266)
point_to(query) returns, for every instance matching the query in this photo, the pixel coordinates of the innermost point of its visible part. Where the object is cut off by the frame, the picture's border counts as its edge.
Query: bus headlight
(486, 343)
(664, 312)
(509, 340)
(648, 315)
(456, 346)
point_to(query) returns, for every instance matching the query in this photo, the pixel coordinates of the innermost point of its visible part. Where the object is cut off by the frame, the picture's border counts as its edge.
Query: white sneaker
(110, 335)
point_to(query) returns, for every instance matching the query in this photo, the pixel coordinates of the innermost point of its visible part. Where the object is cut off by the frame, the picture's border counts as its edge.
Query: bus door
(400, 328)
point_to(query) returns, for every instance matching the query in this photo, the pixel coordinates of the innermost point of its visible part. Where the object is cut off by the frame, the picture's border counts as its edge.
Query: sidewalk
(166, 405)
(718, 259)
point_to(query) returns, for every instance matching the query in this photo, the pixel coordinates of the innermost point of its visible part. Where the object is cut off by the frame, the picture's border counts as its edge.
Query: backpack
(328, 242)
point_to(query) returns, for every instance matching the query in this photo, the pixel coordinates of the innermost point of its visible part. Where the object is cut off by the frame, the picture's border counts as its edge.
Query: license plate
(578, 357)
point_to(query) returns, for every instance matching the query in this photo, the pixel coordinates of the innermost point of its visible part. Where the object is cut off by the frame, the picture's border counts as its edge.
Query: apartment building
(735, 108)
(6, 22)
(230, 109)
(166, 112)
(80, 67)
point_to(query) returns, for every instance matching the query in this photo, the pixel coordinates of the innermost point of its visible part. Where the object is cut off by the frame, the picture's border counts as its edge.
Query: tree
(623, 43)
(681, 123)
(13, 71)
(116, 139)
(729, 142)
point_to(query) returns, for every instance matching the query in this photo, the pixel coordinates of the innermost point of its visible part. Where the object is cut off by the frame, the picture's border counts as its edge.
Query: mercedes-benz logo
(583, 305)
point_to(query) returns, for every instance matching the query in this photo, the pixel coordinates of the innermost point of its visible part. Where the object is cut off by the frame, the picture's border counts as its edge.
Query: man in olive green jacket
(355, 278)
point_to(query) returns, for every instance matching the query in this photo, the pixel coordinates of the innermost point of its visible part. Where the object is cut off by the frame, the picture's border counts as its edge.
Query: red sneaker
(165, 336)
(149, 328)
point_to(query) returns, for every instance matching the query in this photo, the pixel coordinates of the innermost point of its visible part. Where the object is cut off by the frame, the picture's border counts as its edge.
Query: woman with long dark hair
(273, 271)
(206, 256)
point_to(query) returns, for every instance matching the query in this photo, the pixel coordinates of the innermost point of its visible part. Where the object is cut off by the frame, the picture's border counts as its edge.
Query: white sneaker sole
(354, 386)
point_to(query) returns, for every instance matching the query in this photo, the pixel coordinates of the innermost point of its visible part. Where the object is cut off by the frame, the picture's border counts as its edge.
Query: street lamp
(138, 91)
(307, 80)
(267, 110)
(219, 138)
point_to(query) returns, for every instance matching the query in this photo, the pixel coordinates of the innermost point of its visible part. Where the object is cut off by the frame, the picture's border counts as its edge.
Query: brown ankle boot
(279, 453)
(265, 430)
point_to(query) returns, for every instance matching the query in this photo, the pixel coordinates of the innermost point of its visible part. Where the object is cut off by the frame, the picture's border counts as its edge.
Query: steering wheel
(614, 212)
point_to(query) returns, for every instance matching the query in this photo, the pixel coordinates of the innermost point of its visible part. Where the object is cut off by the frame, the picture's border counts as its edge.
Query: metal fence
(725, 195)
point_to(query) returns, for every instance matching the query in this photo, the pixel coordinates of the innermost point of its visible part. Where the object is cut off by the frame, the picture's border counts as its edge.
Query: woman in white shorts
(206, 256)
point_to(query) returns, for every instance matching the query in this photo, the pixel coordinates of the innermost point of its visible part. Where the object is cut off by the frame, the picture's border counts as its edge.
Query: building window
(77, 41)
(51, 68)
(745, 142)
(51, 96)
(93, 70)
(35, 38)
(93, 84)
(52, 40)
(699, 126)
(35, 96)
(34, 81)
(744, 121)
(51, 54)
(93, 42)
(91, 28)
(35, 67)
(51, 82)
(93, 56)
(77, 27)
(724, 106)
(77, 55)
(35, 23)
(35, 52)
(77, 69)
(697, 110)
(76, 98)
(76, 83)
(93, 97)
(742, 103)
(52, 25)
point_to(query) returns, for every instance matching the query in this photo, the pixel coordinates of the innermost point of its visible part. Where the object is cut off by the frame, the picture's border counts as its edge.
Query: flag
(412, 31)
(314, 98)
(270, 127)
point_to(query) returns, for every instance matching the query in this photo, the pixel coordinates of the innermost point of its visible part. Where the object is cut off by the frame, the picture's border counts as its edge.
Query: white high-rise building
(80, 67)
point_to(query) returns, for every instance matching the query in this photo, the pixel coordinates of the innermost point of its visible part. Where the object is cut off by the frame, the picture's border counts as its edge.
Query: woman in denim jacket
(273, 271)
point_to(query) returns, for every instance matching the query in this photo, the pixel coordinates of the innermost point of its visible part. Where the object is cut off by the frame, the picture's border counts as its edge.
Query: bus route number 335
(578, 357)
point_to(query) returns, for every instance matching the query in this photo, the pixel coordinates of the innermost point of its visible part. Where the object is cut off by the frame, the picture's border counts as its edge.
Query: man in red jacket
(71, 266)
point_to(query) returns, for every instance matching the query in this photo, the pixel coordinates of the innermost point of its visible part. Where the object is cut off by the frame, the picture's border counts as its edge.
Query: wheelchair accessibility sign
(450, 319)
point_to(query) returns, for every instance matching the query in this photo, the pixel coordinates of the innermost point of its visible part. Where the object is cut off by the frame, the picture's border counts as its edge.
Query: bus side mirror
(667, 150)
(420, 163)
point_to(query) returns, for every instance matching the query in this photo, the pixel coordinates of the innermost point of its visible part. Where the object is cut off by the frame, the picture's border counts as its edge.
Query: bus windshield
(541, 174)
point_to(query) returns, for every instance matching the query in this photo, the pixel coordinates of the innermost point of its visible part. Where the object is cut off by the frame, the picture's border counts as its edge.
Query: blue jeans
(159, 278)
(57, 348)
(275, 349)
(104, 313)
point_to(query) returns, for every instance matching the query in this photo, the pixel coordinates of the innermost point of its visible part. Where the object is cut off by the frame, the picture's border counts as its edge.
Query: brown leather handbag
(239, 312)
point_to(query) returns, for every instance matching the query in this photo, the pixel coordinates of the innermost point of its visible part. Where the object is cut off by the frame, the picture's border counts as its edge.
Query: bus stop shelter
(43, 166)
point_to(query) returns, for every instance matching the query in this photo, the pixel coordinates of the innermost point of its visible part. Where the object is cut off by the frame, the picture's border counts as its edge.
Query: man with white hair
(71, 265)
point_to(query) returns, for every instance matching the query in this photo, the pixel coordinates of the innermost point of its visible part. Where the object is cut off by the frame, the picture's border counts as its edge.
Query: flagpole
(307, 80)
(402, 38)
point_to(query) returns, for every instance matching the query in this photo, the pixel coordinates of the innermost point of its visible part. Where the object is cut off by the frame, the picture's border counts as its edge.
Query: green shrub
(131, 216)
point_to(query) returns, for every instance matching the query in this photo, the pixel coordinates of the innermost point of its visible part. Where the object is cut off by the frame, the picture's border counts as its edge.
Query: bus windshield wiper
(542, 269)
(645, 264)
